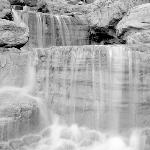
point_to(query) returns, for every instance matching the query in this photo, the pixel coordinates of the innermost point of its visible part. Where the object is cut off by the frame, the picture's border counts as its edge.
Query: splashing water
(63, 137)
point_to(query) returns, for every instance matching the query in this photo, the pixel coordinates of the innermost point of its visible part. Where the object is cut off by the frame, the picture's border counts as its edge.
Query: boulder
(103, 12)
(19, 113)
(135, 26)
(5, 9)
(13, 34)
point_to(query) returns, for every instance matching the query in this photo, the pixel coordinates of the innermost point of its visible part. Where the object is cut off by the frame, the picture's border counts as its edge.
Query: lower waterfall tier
(103, 88)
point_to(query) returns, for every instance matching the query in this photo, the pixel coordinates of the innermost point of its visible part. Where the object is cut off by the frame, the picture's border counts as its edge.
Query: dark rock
(42, 7)
(31, 3)
(105, 35)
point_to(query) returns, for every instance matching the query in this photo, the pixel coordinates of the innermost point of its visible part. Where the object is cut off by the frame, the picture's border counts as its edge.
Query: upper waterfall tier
(52, 30)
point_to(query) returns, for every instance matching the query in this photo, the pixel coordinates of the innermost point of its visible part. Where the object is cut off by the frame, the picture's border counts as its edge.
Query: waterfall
(96, 95)
(92, 83)
(20, 109)
(53, 30)
(88, 97)
(40, 29)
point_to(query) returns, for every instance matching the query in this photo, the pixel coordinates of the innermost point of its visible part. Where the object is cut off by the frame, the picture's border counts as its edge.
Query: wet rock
(135, 26)
(4, 146)
(90, 138)
(46, 132)
(42, 7)
(12, 34)
(16, 144)
(66, 145)
(31, 139)
(19, 113)
(5, 9)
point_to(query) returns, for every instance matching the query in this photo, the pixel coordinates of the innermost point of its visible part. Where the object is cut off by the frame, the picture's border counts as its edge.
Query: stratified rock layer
(136, 25)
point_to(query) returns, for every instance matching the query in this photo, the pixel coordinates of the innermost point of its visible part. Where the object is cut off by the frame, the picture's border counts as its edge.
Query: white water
(63, 137)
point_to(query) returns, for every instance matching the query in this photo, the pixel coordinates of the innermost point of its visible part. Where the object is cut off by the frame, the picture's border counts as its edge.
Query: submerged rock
(5, 9)
(4, 146)
(135, 26)
(30, 139)
(12, 34)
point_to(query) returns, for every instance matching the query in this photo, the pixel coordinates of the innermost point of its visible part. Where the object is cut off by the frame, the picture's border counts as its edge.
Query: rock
(12, 34)
(46, 132)
(19, 113)
(5, 9)
(104, 16)
(30, 3)
(103, 12)
(89, 1)
(42, 7)
(135, 26)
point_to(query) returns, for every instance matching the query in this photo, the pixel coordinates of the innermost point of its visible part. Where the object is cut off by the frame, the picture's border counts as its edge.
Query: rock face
(135, 26)
(12, 34)
(5, 9)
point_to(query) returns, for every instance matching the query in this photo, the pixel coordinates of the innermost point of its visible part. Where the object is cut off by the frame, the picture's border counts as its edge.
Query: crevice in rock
(106, 35)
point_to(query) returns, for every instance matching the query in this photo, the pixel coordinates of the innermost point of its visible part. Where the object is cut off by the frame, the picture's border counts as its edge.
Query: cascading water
(20, 108)
(93, 90)
(95, 95)
(52, 30)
